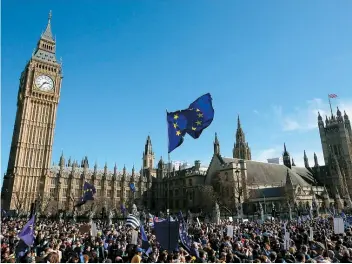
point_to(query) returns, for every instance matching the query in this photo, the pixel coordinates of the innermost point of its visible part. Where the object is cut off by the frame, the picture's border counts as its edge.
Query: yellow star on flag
(193, 128)
(178, 132)
(176, 116)
(175, 125)
(200, 115)
(197, 110)
(199, 122)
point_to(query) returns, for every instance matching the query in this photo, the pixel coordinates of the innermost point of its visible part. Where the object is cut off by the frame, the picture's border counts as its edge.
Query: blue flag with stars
(177, 126)
(27, 233)
(193, 120)
(186, 242)
(88, 194)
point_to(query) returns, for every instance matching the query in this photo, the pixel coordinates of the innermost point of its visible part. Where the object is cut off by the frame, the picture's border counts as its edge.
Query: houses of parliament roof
(88, 173)
(260, 173)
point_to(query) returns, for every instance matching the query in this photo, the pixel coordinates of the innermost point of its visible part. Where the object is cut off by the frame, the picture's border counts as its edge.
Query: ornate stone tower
(336, 140)
(241, 149)
(33, 135)
(216, 145)
(148, 155)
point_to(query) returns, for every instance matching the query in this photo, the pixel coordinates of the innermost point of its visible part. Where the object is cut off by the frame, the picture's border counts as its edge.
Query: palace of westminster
(31, 176)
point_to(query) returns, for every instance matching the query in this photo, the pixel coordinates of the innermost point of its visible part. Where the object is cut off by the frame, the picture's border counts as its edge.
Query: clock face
(44, 83)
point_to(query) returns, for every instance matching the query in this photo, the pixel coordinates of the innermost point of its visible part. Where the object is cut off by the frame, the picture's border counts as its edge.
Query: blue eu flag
(27, 233)
(145, 242)
(177, 126)
(88, 194)
(200, 115)
(186, 242)
(193, 120)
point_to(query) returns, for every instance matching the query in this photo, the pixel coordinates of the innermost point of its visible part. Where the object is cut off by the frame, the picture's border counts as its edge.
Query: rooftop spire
(306, 162)
(48, 35)
(216, 138)
(316, 164)
(238, 122)
(216, 145)
(285, 151)
(148, 150)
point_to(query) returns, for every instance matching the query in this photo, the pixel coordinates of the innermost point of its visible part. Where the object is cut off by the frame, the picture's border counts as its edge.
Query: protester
(250, 242)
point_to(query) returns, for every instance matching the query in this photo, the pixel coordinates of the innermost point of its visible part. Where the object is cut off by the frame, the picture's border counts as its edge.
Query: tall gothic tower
(241, 149)
(336, 140)
(33, 135)
(148, 155)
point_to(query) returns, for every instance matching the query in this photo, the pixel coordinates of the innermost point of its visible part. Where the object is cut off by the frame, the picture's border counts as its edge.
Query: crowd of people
(251, 242)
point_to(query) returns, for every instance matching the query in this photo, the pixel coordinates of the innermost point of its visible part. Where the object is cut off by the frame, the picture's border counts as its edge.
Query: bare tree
(98, 204)
(207, 198)
(228, 192)
(20, 200)
(49, 205)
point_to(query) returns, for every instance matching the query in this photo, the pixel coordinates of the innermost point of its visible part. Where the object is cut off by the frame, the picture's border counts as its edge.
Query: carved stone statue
(135, 210)
(111, 215)
(190, 217)
(216, 214)
(91, 214)
(75, 216)
(261, 212)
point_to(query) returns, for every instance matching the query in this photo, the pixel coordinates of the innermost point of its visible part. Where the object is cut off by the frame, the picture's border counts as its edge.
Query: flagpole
(168, 181)
(330, 105)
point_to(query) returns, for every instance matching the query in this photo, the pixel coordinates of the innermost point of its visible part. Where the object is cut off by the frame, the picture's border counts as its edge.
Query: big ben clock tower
(33, 135)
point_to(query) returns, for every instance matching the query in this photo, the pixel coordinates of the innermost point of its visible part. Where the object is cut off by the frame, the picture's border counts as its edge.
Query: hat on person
(139, 250)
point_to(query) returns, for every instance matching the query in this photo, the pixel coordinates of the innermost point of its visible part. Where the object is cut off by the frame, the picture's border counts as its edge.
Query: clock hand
(43, 84)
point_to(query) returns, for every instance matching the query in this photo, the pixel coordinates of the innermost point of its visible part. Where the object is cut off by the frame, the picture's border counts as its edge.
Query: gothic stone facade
(280, 185)
(31, 177)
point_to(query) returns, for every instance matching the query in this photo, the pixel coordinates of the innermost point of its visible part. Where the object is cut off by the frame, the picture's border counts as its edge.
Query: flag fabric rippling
(193, 120)
(27, 233)
(145, 242)
(88, 194)
(132, 221)
(186, 242)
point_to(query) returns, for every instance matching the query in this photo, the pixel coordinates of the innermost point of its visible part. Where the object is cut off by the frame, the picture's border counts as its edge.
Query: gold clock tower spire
(33, 135)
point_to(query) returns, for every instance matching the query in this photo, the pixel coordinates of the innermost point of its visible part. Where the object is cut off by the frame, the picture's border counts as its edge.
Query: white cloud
(276, 152)
(305, 118)
(256, 112)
